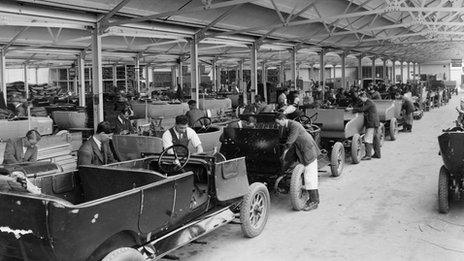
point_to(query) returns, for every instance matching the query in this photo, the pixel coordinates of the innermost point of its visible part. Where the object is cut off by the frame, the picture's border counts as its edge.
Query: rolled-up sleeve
(193, 137)
(167, 139)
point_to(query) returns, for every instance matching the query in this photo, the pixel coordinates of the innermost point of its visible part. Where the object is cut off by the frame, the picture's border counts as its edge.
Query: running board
(162, 246)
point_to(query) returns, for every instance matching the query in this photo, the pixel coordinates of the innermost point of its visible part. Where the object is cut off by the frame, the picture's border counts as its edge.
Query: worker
(96, 150)
(292, 111)
(182, 134)
(23, 149)
(282, 99)
(371, 123)
(123, 124)
(301, 145)
(408, 111)
(194, 114)
(375, 94)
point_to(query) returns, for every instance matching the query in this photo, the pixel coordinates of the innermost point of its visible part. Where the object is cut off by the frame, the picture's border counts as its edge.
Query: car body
(127, 207)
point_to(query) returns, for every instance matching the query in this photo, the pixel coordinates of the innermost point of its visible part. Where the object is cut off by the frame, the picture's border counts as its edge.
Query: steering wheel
(303, 119)
(205, 122)
(170, 166)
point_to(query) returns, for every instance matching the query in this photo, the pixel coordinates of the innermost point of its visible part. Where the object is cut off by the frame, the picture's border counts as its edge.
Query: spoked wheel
(170, 165)
(443, 190)
(393, 129)
(204, 122)
(356, 148)
(298, 194)
(337, 159)
(124, 254)
(254, 210)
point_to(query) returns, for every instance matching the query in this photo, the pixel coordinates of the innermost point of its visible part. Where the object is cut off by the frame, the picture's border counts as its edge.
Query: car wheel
(393, 129)
(124, 254)
(443, 191)
(298, 195)
(337, 159)
(254, 210)
(356, 151)
(381, 134)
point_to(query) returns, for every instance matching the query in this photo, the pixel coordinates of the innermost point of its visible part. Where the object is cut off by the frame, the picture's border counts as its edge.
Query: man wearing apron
(181, 134)
(303, 146)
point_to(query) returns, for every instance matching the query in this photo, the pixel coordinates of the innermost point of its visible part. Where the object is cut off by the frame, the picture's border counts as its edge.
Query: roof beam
(113, 11)
(13, 40)
(180, 12)
(202, 33)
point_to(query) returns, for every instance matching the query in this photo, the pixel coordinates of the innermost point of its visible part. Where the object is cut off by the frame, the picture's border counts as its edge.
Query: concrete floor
(377, 210)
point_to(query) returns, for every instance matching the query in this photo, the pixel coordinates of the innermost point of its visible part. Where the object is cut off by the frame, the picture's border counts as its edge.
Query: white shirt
(290, 109)
(120, 120)
(192, 136)
(99, 144)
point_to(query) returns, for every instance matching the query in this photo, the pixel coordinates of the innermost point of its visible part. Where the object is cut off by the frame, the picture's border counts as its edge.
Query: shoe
(368, 152)
(375, 156)
(313, 201)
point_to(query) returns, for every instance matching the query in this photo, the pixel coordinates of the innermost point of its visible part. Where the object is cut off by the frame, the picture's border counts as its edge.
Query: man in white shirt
(181, 134)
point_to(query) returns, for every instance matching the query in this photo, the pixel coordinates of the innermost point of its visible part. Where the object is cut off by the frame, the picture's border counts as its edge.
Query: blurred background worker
(408, 110)
(371, 123)
(97, 150)
(194, 113)
(302, 146)
(123, 124)
(182, 134)
(22, 149)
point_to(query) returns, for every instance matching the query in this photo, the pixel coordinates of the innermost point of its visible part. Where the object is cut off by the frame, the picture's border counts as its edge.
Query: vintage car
(340, 129)
(132, 146)
(267, 160)
(386, 111)
(134, 210)
(451, 176)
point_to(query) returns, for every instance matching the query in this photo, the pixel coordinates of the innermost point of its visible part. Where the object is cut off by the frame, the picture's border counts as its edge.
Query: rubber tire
(296, 182)
(381, 134)
(356, 152)
(124, 254)
(334, 165)
(247, 229)
(393, 129)
(443, 191)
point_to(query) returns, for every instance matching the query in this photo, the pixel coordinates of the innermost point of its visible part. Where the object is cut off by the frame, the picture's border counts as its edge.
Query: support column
(414, 71)
(214, 74)
(360, 71)
(194, 83)
(343, 65)
(81, 75)
(115, 76)
(401, 73)
(3, 73)
(26, 81)
(147, 80)
(37, 75)
(393, 72)
(293, 66)
(373, 69)
(241, 85)
(97, 78)
(254, 71)
(282, 73)
(137, 73)
(408, 72)
(263, 80)
(384, 69)
(173, 77)
(218, 77)
(322, 71)
(180, 75)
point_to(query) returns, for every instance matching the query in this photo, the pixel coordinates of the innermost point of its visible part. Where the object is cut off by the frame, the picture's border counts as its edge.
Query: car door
(165, 203)
(231, 179)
